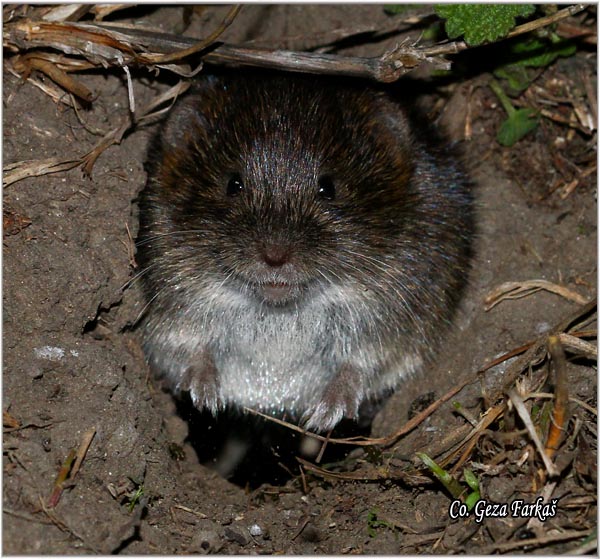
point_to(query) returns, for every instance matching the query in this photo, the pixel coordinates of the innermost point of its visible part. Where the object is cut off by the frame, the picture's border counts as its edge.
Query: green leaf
(373, 523)
(472, 499)
(452, 485)
(480, 23)
(524, 53)
(517, 76)
(136, 498)
(519, 123)
(535, 53)
(471, 480)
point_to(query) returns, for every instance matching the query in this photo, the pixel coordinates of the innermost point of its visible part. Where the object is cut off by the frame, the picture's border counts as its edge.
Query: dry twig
(112, 45)
(198, 47)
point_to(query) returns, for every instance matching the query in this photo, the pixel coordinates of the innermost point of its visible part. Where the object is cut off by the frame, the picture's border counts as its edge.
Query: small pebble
(255, 530)
(235, 536)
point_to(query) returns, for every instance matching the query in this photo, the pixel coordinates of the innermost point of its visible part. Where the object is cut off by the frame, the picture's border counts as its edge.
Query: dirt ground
(72, 363)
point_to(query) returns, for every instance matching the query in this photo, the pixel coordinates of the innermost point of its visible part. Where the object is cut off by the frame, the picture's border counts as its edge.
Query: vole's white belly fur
(279, 359)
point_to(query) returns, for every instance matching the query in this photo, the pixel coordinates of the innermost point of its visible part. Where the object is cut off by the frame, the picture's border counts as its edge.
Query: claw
(324, 417)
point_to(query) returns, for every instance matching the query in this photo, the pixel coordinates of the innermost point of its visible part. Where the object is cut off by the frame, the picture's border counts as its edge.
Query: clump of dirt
(73, 365)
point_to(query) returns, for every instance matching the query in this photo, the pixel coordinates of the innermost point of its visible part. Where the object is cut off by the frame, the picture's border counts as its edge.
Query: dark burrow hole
(251, 451)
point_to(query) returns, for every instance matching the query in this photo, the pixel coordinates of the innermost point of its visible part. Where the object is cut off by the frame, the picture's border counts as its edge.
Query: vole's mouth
(275, 289)
(278, 292)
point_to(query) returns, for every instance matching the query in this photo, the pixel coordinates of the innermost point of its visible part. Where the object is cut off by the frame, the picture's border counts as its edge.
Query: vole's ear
(393, 119)
(188, 117)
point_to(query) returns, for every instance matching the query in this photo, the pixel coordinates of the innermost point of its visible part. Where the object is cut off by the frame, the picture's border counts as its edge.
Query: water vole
(302, 250)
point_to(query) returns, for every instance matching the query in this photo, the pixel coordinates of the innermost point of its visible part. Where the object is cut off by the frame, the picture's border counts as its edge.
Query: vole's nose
(275, 254)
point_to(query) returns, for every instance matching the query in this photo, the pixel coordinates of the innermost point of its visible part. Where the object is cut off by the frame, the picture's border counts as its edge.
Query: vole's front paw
(205, 395)
(341, 399)
(203, 385)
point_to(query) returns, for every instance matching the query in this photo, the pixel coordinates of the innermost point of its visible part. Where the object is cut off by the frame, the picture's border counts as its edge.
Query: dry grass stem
(534, 522)
(505, 357)
(567, 122)
(86, 441)
(375, 475)
(548, 396)
(517, 401)
(516, 290)
(490, 416)
(561, 399)
(70, 468)
(99, 46)
(568, 188)
(61, 478)
(592, 98)
(452, 441)
(14, 172)
(188, 510)
(579, 346)
(323, 447)
(112, 45)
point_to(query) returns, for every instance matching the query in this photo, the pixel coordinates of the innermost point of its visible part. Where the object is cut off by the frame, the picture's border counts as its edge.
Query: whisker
(137, 276)
(147, 305)
(169, 234)
(394, 284)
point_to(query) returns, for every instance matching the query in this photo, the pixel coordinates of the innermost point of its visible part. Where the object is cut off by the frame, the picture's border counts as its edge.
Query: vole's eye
(235, 185)
(326, 188)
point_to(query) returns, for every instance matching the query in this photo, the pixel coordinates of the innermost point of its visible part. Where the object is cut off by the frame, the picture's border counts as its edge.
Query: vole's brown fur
(302, 250)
